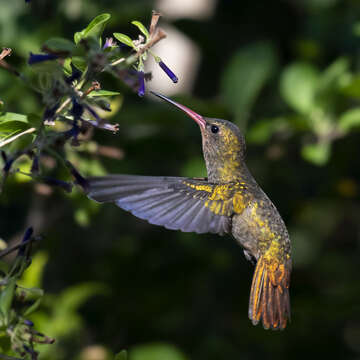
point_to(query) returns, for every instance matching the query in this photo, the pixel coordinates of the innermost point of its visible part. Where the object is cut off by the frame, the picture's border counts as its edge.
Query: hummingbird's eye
(214, 129)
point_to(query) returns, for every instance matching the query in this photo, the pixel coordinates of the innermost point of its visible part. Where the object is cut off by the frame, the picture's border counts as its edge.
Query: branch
(7, 141)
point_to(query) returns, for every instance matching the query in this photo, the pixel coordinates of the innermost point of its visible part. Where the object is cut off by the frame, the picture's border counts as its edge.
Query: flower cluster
(14, 319)
(70, 91)
(66, 73)
(142, 46)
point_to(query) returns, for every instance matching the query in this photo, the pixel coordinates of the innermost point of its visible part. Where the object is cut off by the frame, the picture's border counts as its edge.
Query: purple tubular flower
(78, 178)
(56, 182)
(8, 165)
(77, 109)
(92, 112)
(141, 90)
(28, 233)
(108, 43)
(75, 75)
(36, 58)
(8, 162)
(31, 351)
(129, 77)
(35, 165)
(28, 322)
(4, 156)
(50, 114)
(114, 128)
(73, 133)
(99, 123)
(168, 72)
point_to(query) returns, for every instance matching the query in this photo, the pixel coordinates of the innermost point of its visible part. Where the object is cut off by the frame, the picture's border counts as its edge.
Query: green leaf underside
(79, 63)
(59, 44)
(124, 39)
(141, 27)
(262, 131)
(94, 29)
(250, 68)
(10, 116)
(317, 154)
(12, 124)
(349, 119)
(103, 93)
(298, 86)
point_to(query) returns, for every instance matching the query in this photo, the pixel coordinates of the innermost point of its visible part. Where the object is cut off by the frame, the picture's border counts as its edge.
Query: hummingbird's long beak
(198, 118)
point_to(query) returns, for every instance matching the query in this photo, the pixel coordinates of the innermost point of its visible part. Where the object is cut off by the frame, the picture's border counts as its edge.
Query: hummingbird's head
(223, 145)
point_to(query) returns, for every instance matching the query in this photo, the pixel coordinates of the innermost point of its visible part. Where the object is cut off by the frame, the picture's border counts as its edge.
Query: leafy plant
(66, 75)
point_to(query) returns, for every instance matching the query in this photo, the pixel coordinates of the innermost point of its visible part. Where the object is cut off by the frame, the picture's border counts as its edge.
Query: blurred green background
(288, 73)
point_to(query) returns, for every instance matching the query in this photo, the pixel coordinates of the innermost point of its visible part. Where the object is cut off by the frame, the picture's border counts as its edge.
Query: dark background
(114, 282)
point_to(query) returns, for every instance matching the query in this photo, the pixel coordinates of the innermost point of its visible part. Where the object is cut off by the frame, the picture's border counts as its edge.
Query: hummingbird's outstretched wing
(185, 204)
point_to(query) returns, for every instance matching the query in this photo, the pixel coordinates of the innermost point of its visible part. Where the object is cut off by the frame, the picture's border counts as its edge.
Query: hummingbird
(227, 201)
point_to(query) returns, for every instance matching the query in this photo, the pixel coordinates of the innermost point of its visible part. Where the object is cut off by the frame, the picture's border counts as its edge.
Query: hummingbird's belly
(258, 226)
(242, 232)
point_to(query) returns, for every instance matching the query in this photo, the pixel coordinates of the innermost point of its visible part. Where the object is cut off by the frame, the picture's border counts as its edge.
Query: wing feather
(173, 202)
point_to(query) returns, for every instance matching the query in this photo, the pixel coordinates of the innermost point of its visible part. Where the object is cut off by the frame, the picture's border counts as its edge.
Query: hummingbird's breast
(260, 228)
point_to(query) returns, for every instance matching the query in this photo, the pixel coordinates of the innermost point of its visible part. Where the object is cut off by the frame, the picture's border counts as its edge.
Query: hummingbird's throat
(225, 166)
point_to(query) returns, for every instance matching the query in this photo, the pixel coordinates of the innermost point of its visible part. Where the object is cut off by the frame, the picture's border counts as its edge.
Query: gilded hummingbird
(228, 201)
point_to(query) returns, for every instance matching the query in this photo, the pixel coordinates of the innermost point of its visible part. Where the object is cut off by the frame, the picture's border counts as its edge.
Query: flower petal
(36, 58)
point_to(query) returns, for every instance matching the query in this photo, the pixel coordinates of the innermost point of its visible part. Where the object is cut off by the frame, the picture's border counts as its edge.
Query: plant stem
(7, 141)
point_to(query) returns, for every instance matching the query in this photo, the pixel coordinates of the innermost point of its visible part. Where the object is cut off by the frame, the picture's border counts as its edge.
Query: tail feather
(269, 295)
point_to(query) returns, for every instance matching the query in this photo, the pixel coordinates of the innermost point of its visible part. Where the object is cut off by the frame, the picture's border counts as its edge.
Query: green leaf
(12, 123)
(156, 351)
(67, 67)
(356, 29)
(33, 275)
(352, 87)
(349, 119)
(73, 297)
(103, 93)
(124, 39)
(33, 307)
(317, 154)
(52, 68)
(59, 44)
(334, 74)
(29, 293)
(78, 36)
(245, 75)
(97, 25)
(142, 28)
(331, 80)
(298, 86)
(4, 266)
(82, 217)
(101, 103)
(6, 297)
(94, 29)
(34, 120)
(5, 343)
(261, 132)
(10, 116)
(79, 63)
(122, 355)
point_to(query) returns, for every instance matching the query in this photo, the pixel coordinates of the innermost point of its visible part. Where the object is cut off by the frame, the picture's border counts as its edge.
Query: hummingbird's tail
(269, 296)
